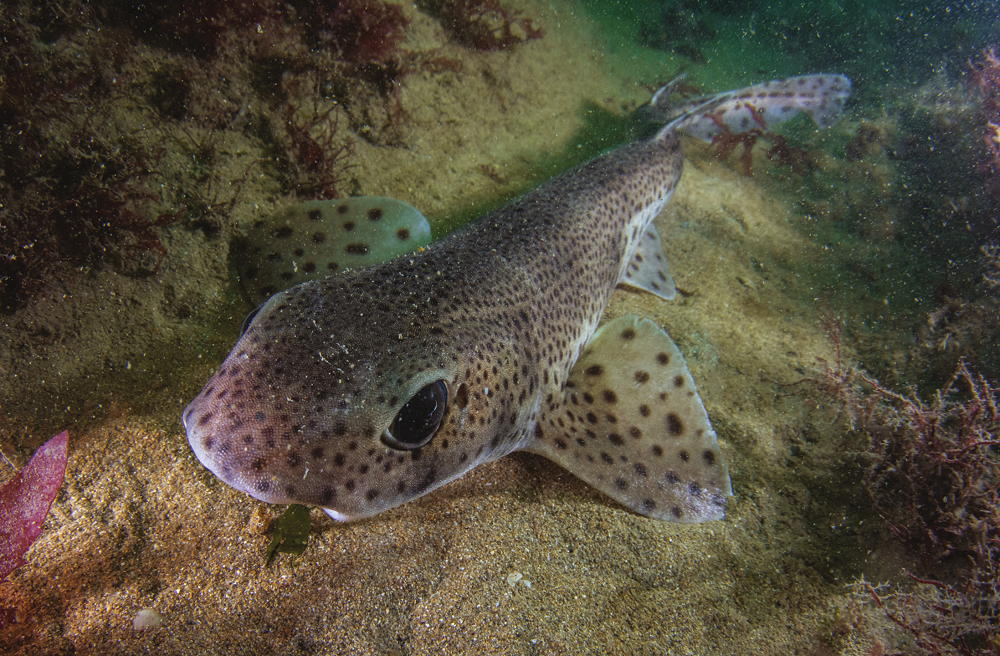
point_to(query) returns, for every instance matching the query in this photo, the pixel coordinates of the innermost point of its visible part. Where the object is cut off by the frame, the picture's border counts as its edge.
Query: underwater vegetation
(75, 184)
(119, 120)
(291, 533)
(939, 618)
(780, 152)
(932, 472)
(984, 77)
(942, 619)
(482, 24)
(315, 156)
(25, 500)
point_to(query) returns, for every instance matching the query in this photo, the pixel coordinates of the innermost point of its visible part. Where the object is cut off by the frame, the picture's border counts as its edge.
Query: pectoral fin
(632, 425)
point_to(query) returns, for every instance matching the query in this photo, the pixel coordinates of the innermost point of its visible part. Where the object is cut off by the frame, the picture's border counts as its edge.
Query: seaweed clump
(932, 467)
(985, 80)
(942, 619)
(108, 135)
(359, 31)
(781, 152)
(74, 183)
(119, 119)
(483, 24)
(316, 156)
(932, 471)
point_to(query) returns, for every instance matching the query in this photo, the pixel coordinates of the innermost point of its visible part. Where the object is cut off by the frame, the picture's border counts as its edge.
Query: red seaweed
(485, 24)
(780, 152)
(74, 185)
(727, 141)
(25, 501)
(783, 154)
(984, 78)
(315, 151)
(360, 31)
(932, 473)
(931, 469)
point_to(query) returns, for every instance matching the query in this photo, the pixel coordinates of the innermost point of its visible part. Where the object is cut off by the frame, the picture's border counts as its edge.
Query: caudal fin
(761, 106)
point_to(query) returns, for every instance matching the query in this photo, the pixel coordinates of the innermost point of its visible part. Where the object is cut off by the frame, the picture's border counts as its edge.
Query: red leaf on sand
(25, 501)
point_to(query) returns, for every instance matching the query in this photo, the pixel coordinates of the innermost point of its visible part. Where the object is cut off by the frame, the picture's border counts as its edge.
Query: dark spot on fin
(623, 427)
(648, 268)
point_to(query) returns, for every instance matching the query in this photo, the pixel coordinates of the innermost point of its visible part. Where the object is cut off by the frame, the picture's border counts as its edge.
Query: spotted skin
(630, 423)
(501, 311)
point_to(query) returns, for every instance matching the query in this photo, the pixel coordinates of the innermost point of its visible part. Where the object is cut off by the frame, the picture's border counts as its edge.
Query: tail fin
(761, 106)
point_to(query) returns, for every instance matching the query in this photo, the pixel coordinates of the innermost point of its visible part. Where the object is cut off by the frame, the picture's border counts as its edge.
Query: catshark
(364, 390)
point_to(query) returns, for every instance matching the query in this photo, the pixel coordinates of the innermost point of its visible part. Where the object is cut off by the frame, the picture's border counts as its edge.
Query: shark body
(364, 390)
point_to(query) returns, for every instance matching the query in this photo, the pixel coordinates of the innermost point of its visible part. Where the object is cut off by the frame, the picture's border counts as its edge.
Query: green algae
(291, 534)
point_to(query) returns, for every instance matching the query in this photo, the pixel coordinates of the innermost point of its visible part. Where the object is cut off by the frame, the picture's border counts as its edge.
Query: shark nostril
(462, 397)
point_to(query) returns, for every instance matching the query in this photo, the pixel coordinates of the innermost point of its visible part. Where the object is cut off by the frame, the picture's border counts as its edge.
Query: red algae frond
(984, 79)
(781, 152)
(359, 31)
(485, 24)
(25, 501)
(316, 154)
(931, 470)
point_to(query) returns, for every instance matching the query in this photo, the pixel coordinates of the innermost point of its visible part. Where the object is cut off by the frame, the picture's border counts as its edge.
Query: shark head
(356, 405)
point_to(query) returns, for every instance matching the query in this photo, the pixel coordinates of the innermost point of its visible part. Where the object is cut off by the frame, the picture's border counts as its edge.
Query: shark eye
(419, 418)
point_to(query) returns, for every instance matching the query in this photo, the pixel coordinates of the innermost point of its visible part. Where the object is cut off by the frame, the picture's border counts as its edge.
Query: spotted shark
(364, 390)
